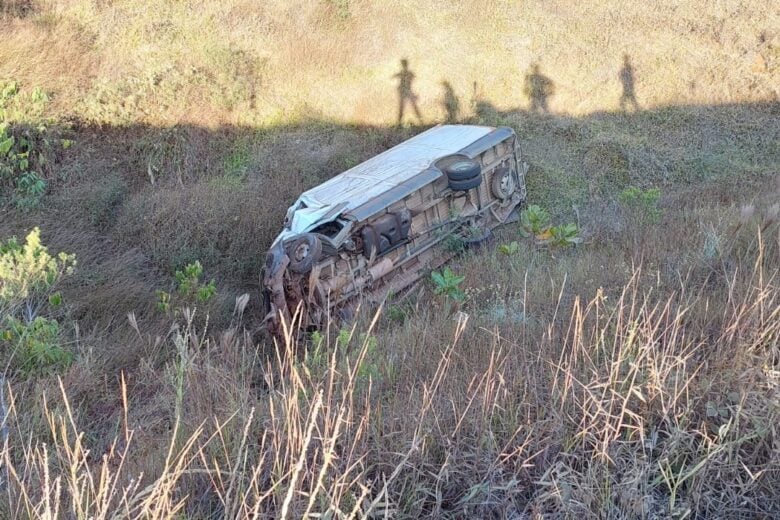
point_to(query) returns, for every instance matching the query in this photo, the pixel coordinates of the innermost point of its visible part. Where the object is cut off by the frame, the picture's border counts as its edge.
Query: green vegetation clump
(447, 283)
(535, 222)
(29, 275)
(190, 288)
(16, 172)
(509, 249)
(641, 206)
(26, 145)
(564, 235)
(34, 347)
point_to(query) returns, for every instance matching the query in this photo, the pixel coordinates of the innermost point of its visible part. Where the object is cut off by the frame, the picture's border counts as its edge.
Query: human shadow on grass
(626, 75)
(406, 94)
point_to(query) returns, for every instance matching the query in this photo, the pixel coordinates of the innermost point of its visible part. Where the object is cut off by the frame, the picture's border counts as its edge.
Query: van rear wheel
(466, 185)
(503, 185)
(463, 169)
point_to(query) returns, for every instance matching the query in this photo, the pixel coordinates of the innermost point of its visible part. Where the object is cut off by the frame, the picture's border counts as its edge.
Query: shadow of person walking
(450, 102)
(538, 87)
(628, 97)
(405, 93)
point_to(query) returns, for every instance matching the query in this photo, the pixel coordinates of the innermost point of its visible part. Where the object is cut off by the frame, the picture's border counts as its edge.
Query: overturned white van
(379, 226)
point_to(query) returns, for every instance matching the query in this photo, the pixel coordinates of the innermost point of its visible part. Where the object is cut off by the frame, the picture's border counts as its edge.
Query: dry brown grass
(236, 62)
(633, 405)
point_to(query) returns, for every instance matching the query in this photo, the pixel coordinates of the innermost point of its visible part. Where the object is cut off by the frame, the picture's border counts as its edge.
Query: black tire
(304, 252)
(466, 185)
(463, 169)
(480, 241)
(503, 185)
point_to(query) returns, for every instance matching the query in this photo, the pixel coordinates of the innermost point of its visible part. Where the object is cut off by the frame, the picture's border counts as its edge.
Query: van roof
(372, 185)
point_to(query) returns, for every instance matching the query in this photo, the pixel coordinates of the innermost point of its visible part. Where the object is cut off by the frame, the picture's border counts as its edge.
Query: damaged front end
(293, 291)
(276, 262)
(312, 277)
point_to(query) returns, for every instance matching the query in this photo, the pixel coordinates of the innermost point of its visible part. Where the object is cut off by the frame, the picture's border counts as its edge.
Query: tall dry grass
(637, 404)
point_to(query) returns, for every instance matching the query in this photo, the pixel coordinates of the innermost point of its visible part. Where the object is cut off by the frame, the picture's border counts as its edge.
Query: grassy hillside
(243, 62)
(634, 376)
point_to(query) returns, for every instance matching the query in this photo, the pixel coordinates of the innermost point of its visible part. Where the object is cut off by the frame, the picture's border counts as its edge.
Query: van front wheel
(304, 252)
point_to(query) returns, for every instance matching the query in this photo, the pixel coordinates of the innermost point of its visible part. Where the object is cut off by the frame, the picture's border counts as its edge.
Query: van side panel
(436, 214)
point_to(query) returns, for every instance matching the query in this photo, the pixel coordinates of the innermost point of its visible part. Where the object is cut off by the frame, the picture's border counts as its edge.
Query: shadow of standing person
(627, 79)
(538, 88)
(450, 102)
(405, 92)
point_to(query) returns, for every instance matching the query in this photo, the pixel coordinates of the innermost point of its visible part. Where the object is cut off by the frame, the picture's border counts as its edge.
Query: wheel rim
(301, 252)
(460, 166)
(506, 185)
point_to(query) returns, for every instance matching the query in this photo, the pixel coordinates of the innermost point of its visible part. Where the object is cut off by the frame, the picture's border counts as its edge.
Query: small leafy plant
(25, 149)
(448, 284)
(16, 171)
(564, 235)
(28, 275)
(509, 249)
(343, 338)
(163, 301)
(189, 287)
(396, 313)
(454, 243)
(534, 221)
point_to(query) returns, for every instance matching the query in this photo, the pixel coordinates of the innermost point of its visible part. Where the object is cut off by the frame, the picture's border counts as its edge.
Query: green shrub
(454, 243)
(189, 287)
(396, 313)
(564, 235)
(28, 277)
(163, 301)
(448, 284)
(35, 347)
(24, 151)
(509, 249)
(641, 206)
(28, 273)
(534, 221)
(16, 171)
